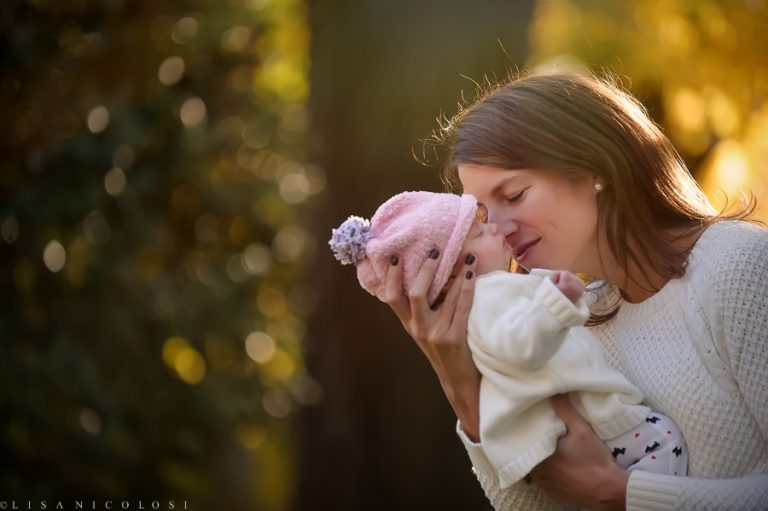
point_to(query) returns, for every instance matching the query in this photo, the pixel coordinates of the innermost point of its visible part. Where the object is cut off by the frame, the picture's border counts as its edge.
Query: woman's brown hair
(574, 126)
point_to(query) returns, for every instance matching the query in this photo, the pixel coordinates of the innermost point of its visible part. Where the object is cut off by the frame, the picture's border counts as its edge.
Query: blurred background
(173, 326)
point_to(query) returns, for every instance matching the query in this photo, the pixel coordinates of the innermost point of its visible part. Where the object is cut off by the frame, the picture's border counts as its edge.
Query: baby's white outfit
(529, 344)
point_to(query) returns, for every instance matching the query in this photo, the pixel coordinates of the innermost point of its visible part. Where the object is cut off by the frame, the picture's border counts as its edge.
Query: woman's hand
(581, 471)
(442, 333)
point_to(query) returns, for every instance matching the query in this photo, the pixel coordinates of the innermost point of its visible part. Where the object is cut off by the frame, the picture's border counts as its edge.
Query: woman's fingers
(458, 303)
(417, 294)
(431, 329)
(448, 322)
(393, 293)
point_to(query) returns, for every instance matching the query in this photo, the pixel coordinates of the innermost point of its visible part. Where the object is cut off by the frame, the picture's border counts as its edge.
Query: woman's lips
(523, 251)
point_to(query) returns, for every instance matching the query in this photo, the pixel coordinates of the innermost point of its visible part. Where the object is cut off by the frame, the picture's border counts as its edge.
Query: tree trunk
(383, 435)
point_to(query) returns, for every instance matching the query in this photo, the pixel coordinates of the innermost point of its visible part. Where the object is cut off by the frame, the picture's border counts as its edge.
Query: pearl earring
(599, 187)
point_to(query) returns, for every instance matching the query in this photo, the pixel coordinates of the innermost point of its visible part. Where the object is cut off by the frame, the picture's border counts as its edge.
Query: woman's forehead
(482, 180)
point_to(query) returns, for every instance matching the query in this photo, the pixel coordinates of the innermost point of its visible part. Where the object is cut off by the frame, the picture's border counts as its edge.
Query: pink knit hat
(408, 225)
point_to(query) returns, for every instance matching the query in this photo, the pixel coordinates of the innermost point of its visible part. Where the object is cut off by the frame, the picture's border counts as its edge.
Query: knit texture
(409, 225)
(698, 351)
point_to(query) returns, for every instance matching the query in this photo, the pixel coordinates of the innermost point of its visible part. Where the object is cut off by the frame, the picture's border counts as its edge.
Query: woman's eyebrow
(501, 184)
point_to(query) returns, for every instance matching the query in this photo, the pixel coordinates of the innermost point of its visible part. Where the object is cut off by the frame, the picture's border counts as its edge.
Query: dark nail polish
(394, 260)
(434, 253)
(470, 259)
(469, 275)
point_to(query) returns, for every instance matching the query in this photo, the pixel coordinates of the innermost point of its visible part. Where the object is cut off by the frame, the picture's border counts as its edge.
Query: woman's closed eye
(516, 197)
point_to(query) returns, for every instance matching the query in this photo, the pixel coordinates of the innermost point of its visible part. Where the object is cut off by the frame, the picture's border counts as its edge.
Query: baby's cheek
(458, 264)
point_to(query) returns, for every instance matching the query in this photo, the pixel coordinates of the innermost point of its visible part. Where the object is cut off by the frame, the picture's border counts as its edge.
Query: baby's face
(489, 246)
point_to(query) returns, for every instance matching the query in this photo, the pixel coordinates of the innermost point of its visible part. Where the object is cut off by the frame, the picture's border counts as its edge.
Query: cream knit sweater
(698, 350)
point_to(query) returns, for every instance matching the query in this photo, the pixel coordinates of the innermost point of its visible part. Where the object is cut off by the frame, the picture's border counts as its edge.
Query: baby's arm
(519, 321)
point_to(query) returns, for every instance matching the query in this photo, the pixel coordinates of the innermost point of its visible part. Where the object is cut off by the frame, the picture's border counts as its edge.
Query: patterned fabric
(655, 446)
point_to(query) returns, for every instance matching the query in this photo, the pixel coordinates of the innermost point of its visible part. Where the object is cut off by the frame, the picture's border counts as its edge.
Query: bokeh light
(277, 402)
(96, 228)
(290, 243)
(98, 119)
(192, 112)
(260, 347)
(143, 233)
(184, 29)
(54, 256)
(184, 360)
(257, 259)
(114, 181)
(250, 436)
(236, 38)
(171, 70)
(9, 229)
(90, 421)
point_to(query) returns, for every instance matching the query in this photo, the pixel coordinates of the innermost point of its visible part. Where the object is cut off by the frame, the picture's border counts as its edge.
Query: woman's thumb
(564, 409)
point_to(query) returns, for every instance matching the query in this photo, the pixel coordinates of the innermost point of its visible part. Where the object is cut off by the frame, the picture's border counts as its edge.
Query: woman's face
(550, 221)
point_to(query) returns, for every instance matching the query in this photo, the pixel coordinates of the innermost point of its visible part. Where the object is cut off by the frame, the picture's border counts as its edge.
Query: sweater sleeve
(738, 304)
(520, 496)
(520, 327)
(656, 492)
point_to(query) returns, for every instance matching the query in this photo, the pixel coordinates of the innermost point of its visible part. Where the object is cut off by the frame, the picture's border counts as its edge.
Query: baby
(525, 333)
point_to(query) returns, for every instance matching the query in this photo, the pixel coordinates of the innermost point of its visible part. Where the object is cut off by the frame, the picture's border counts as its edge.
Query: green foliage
(153, 191)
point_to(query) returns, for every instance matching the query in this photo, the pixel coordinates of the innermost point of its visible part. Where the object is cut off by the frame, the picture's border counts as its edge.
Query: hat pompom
(348, 241)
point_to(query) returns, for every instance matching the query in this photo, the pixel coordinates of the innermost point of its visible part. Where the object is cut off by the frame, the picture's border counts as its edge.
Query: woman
(579, 178)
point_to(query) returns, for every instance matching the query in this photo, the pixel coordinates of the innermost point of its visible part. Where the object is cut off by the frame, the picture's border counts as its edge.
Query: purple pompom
(349, 240)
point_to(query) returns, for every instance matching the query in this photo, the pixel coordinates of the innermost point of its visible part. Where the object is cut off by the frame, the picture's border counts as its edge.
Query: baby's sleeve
(520, 321)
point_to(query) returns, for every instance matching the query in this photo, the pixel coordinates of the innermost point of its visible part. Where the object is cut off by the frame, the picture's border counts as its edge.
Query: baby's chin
(505, 264)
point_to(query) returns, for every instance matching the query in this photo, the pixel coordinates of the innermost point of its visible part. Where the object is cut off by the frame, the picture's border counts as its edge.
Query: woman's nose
(506, 226)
